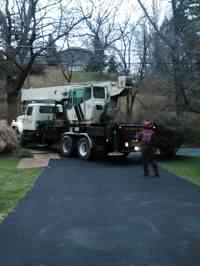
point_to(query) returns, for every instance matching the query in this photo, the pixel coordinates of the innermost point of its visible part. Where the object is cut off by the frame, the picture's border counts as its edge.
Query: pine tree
(112, 65)
(97, 62)
(52, 56)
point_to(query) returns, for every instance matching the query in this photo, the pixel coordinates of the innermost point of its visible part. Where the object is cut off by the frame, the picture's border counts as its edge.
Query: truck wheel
(168, 153)
(84, 150)
(18, 135)
(67, 146)
(125, 154)
(99, 151)
(171, 153)
(23, 142)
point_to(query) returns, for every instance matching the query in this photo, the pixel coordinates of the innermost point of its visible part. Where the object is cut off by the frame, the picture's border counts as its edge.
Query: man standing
(146, 137)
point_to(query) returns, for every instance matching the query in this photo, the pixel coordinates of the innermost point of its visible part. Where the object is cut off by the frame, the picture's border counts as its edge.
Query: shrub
(192, 136)
(8, 139)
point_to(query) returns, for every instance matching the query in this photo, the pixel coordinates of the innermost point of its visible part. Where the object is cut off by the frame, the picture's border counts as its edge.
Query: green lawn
(14, 183)
(187, 167)
(54, 77)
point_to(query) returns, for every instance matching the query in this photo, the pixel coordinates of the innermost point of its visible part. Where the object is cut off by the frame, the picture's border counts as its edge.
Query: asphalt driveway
(103, 214)
(189, 152)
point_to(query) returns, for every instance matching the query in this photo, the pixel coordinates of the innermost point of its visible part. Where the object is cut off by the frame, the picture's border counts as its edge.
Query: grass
(54, 77)
(14, 184)
(187, 167)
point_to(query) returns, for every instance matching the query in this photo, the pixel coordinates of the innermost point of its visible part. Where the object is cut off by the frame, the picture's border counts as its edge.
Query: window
(69, 102)
(99, 92)
(77, 96)
(48, 109)
(87, 95)
(29, 111)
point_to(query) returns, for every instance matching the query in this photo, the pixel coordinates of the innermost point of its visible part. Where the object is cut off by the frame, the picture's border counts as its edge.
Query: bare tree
(102, 30)
(125, 46)
(140, 69)
(67, 69)
(182, 101)
(24, 29)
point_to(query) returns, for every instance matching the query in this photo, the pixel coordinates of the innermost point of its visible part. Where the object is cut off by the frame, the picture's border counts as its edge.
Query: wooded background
(162, 54)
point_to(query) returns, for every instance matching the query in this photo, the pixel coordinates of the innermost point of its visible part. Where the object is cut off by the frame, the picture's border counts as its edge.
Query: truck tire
(99, 150)
(84, 149)
(171, 153)
(23, 142)
(18, 135)
(168, 153)
(67, 146)
(125, 154)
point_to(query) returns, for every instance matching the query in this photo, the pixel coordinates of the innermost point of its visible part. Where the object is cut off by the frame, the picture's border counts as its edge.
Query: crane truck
(81, 118)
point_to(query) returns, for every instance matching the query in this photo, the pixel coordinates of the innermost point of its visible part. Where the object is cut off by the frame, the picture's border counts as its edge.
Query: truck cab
(28, 126)
(86, 104)
(39, 112)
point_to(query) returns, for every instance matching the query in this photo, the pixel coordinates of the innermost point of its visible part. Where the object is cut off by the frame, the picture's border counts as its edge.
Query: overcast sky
(127, 8)
(131, 7)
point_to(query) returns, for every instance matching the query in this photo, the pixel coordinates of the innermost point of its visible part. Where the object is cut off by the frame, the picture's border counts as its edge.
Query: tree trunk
(130, 100)
(12, 107)
(127, 105)
(12, 88)
(3, 105)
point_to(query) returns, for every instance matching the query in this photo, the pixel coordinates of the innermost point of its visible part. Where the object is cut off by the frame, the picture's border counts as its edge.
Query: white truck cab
(38, 112)
(35, 113)
(86, 104)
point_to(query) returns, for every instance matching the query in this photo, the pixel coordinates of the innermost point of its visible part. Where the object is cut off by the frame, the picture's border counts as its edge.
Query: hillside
(54, 77)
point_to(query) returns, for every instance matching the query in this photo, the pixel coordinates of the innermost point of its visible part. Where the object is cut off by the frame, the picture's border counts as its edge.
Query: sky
(128, 8)
(131, 7)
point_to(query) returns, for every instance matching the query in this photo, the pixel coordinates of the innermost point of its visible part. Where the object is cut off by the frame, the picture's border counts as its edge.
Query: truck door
(28, 118)
(47, 112)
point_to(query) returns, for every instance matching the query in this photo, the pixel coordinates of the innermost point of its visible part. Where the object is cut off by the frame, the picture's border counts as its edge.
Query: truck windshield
(78, 96)
(99, 92)
(29, 110)
(48, 109)
(87, 93)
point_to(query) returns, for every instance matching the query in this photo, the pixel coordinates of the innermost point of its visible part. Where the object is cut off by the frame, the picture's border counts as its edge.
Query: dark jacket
(146, 136)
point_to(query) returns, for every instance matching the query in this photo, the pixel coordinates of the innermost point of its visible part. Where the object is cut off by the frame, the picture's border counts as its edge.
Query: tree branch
(162, 36)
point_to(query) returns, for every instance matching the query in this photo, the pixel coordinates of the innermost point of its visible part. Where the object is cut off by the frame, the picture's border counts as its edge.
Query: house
(75, 58)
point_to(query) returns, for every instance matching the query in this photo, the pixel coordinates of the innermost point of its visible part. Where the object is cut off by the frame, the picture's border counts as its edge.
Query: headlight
(136, 148)
(126, 144)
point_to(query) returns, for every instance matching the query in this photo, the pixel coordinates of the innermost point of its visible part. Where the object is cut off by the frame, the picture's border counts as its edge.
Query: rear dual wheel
(86, 152)
(84, 149)
(67, 146)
